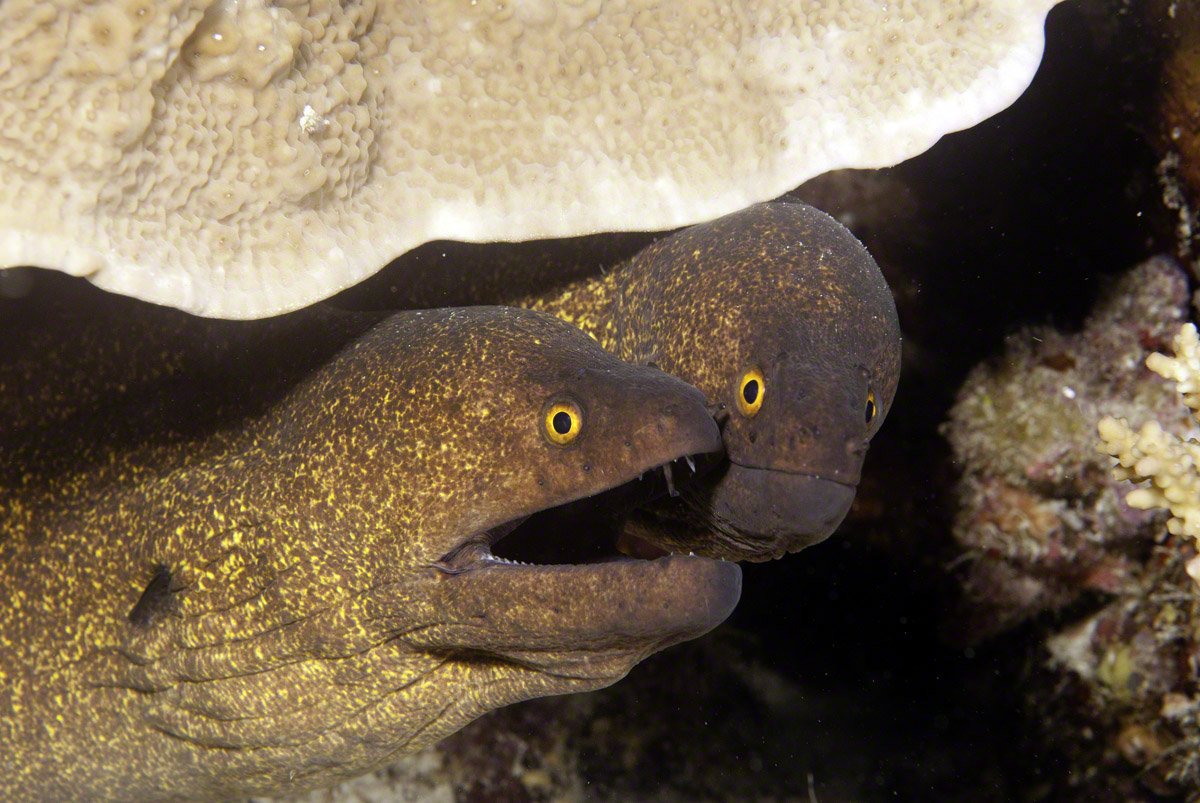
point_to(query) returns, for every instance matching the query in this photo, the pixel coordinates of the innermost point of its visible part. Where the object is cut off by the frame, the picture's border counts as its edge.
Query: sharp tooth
(691, 554)
(670, 484)
(691, 465)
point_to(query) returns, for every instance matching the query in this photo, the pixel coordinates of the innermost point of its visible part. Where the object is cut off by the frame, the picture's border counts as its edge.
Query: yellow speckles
(279, 541)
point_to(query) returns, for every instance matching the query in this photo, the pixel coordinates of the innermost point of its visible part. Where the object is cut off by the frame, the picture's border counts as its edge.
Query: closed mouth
(823, 476)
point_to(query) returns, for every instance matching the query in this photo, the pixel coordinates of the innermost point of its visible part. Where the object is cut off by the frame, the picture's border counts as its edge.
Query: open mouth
(552, 591)
(582, 531)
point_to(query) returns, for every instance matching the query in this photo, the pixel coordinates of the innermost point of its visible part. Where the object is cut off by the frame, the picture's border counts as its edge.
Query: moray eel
(264, 575)
(777, 313)
(780, 317)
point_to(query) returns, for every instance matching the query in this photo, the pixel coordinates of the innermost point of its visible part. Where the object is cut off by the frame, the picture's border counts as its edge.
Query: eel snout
(553, 586)
(774, 512)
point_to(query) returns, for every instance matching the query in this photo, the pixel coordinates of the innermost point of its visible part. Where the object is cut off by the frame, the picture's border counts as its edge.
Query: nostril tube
(856, 447)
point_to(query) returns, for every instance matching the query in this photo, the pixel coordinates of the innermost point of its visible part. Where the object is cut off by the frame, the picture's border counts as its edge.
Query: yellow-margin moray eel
(781, 317)
(265, 574)
(777, 313)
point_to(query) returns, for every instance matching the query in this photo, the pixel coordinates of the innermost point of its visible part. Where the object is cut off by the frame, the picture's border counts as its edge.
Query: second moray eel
(275, 561)
(776, 313)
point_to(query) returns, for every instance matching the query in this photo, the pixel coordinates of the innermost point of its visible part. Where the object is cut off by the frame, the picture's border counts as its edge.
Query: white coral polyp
(1184, 367)
(1164, 460)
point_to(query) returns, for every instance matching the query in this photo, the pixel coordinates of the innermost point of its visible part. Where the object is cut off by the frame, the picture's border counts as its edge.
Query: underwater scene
(518, 401)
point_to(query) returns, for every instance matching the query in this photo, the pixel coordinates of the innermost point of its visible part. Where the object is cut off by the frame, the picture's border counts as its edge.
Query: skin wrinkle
(222, 534)
(259, 633)
(355, 714)
(243, 602)
(415, 739)
(304, 621)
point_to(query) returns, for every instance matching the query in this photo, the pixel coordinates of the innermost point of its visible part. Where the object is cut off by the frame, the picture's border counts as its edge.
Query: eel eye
(872, 410)
(750, 393)
(562, 420)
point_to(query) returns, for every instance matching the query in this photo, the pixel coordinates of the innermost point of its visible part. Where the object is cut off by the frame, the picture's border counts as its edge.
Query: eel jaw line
(809, 474)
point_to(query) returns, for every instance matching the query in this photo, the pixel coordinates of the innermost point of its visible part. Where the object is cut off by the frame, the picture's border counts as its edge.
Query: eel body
(777, 314)
(278, 562)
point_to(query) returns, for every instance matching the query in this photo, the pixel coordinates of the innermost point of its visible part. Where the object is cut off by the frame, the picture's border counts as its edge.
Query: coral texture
(1047, 522)
(1169, 464)
(1039, 516)
(1125, 693)
(239, 158)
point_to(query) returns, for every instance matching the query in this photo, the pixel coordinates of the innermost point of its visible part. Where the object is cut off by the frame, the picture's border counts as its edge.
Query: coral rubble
(1046, 524)
(1039, 516)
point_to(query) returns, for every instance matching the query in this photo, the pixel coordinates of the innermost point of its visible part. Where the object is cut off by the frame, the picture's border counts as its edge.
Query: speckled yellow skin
(779, 287)
(299, 500)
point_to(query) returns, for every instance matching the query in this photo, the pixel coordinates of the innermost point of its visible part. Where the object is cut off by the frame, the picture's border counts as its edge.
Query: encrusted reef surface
(1040, 516)
(1045, 526)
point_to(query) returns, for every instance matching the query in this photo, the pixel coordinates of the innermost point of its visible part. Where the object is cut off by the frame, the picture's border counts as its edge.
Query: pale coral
(1168, 463)
(241, 157)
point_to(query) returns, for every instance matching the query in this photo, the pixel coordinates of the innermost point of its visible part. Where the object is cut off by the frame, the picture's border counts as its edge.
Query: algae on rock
(1040, 519)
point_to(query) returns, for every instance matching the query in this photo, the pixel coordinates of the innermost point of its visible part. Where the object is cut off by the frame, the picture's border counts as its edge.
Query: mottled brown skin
(779, 287)
(236, 580)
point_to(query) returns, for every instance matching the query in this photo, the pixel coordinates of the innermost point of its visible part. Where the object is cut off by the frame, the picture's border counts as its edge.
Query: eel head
(786, 323)
(370, 609)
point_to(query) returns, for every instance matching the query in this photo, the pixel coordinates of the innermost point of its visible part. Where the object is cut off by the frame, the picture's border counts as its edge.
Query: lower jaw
(742, 513)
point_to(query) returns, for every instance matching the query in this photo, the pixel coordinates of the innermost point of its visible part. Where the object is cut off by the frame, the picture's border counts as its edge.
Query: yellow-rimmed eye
(872, 408)
(750, 392)
(562, 421)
